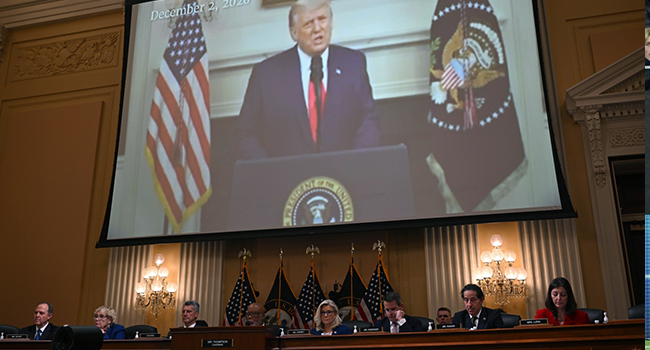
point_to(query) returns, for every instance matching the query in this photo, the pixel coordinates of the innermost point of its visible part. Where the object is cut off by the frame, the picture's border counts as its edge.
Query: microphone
(316, 77)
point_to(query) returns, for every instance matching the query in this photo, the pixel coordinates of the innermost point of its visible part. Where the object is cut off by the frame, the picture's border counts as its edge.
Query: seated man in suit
(475, 316)
(280, 115)
(396, 321)
(255, 314)
(190, 315)
(42, 329)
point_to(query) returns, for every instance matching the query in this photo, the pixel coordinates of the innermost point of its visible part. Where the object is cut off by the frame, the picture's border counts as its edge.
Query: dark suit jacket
(48, 334)
(489, 319)
(274, 120)
(116, 331)
(411, 325)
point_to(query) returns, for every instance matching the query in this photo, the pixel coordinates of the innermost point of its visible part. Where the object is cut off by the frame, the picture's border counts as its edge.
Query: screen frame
(553, 116)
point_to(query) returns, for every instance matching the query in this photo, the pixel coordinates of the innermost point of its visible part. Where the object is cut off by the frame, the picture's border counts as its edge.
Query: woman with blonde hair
(327, 320)
(105, 318)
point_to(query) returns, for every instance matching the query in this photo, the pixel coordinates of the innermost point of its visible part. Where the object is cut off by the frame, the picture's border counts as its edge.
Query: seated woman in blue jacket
(105, 319)
(327, 320)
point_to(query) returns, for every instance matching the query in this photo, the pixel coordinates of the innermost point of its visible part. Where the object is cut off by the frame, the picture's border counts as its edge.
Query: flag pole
(352, 282)
(277, 314)
(244, 253)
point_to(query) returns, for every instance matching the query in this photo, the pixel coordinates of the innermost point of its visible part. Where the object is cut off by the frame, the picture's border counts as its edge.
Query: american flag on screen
(242, 296)
(311, 295)
(371, 307)
(178, 136)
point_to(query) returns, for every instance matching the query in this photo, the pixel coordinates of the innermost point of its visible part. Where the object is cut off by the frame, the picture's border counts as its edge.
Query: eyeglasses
(254, 314)
(391, 310)
(101, 317)
(471, 300)
(329, 312)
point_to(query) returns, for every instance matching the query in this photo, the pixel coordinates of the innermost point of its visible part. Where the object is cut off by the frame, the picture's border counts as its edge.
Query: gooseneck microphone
(316, 77)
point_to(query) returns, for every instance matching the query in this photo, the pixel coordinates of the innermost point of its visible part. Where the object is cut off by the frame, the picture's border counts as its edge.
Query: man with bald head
(314, 97)
(255, 314)
(42, 329)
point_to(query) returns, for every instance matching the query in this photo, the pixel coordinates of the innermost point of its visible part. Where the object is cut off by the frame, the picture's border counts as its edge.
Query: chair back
(636, 311)
(129, 332)
(359, 323)
(594, 314)
(7, 329)
(425, 322)
(510, 320)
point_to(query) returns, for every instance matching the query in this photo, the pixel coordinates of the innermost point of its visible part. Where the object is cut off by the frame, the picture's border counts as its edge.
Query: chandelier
(155, 293)
(497, 280)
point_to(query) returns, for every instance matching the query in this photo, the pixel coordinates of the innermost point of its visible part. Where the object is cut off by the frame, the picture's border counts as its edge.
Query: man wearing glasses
(475, 316)
(255, 314)
(396, 321)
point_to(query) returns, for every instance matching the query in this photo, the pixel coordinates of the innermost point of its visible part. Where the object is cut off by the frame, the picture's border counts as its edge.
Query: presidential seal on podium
(318, 200)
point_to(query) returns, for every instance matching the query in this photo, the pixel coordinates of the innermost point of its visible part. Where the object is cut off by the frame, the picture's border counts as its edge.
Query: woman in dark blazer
(105, 319)
(327, 320)
(561, 307)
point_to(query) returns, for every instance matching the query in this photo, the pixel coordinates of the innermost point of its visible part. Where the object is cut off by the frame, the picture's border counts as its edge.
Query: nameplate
(533, 321)
(447, 326)
(16, 336)
(149, 335)
(217, 343)
(371, 329)
(297, 331)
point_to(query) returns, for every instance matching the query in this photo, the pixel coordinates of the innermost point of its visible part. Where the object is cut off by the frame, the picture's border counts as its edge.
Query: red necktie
(313, 116)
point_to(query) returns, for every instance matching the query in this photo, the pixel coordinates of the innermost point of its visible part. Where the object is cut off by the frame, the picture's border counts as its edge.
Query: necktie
(393, 327)
(475, 321)
(313, 115)
(38, 334)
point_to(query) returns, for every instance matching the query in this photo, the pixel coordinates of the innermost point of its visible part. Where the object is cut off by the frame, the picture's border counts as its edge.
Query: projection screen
(431, 113)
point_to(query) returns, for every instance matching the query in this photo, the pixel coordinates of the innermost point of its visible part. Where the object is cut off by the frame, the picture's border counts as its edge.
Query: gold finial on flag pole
(245, 253)
(312, 249)
(379, 245)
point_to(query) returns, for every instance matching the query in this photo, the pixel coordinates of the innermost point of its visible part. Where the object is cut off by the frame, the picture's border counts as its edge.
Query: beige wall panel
(46, 171)
(57, 130)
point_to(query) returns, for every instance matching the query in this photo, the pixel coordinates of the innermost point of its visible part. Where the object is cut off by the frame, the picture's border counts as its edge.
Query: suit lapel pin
(338, 71)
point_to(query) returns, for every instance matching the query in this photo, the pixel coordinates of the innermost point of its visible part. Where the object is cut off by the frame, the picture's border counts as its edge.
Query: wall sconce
(155, 293)
(497, 280)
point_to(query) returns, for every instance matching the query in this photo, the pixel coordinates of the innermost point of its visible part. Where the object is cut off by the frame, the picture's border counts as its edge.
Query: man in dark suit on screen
(475, 316)
(314, 97)
(42, 329)
(396, 321)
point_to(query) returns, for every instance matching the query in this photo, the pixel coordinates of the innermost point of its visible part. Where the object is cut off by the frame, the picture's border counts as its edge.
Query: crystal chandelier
(155, 293)
(497, 280)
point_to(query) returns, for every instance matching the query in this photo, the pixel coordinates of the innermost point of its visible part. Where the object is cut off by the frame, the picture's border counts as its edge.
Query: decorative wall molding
(592, 121)
(627, 137)
(66, 56)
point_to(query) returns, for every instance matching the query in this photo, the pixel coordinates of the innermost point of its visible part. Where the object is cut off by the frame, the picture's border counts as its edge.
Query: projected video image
(239, 116)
